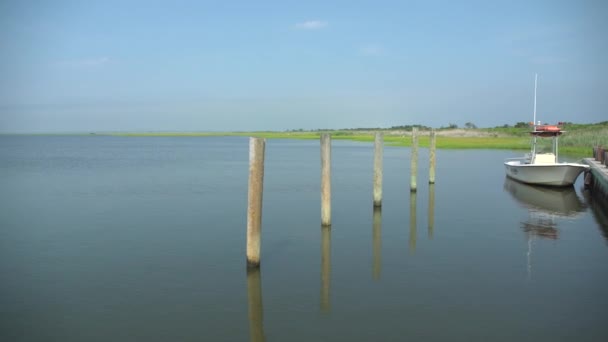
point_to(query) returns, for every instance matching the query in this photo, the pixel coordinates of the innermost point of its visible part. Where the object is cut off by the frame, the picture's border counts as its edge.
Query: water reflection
(325, 268)
(545, 205)
(431, 209)
(412, 223)
(256, 315)
(598, 206)
(377, 243)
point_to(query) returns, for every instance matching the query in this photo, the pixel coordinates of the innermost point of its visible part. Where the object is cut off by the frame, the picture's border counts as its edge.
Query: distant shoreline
(446, 139)
(578, 140)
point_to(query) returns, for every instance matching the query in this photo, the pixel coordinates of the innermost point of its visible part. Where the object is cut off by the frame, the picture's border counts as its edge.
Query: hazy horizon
(243, 66)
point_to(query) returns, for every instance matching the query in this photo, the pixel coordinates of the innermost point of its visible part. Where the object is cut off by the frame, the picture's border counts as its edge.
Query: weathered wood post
(431, 218)
(325, 268)
(256, 313)
(254, 205)
(377, 243)
(325, 179)
(378, 142)
(413, 229)
(414, 160)
(595, 152)
(432, 144)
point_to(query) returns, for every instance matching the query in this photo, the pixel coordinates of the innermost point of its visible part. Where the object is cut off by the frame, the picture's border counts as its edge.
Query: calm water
(122, 239)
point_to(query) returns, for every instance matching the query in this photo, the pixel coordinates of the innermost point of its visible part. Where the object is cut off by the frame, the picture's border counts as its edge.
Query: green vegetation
(578, 139)
(576, 142)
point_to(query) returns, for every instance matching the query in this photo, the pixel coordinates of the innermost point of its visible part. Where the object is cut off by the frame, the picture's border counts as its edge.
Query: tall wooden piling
(377, 243)
(432, 158)
(256, 313)
(254, 205)
(378, 146)
(413, 228)
(414, 160)
(325, 268)
(325, 179)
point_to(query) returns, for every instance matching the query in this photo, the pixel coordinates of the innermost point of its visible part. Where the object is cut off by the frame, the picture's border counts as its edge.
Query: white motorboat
(543, 168)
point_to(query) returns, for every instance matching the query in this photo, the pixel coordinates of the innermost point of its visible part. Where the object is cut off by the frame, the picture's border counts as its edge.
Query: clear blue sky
(256, 65)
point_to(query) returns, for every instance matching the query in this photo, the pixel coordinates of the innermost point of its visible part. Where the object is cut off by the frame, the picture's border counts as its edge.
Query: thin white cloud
(94, 62)
(311, 25)
(372, 50)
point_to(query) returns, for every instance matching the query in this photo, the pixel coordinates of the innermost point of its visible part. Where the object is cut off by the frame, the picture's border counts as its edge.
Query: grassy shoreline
(577, 142)
(489, 141)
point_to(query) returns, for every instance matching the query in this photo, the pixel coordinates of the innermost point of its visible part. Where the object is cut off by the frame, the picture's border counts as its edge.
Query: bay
(124, 238)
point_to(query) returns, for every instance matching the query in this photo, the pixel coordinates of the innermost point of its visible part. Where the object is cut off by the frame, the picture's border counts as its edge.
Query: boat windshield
(544, 145)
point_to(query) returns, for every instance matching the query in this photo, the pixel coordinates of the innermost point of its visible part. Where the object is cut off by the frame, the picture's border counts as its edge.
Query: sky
(78, 66)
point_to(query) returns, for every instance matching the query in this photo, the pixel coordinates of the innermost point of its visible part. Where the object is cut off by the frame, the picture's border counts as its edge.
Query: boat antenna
(535, 81)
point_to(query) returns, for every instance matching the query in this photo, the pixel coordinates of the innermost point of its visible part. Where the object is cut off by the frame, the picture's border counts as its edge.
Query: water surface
(116, 238)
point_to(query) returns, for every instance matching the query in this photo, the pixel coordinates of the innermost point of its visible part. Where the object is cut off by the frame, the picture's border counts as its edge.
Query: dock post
(378, 142)
(325, 179)
(254, 205)
(414, 160)
(595, 152)
(432, 158)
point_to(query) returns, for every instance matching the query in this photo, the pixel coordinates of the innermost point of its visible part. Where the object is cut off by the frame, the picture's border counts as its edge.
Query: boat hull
(558, 174)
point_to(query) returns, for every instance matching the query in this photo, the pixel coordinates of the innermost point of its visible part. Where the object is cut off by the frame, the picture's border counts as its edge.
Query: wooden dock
(599, 177)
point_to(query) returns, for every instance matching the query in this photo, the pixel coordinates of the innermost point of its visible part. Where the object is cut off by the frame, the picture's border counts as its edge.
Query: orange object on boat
(548, 128)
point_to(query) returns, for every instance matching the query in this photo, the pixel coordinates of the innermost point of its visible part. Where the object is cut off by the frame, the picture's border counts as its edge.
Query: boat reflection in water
(546, 205)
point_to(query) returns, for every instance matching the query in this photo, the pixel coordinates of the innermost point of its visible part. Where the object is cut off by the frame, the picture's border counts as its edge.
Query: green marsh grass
(577, 141)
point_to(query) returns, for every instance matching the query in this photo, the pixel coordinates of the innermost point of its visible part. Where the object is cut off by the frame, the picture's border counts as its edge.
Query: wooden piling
(325, 268)
(432, 158)
(413, 228)
(414, 160)
(254, 205)
(325, 179)
(599, 178)
(378, 142)
(256, 313)
(377, 243)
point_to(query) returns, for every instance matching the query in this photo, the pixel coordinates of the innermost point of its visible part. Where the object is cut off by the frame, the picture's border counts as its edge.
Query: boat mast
(534, 122)
(535, 82)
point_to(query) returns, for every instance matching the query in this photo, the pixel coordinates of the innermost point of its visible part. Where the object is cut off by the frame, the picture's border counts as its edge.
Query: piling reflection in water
(412, 222)
(325, 268)
(254, 296)
(431, 210)
(377, 244)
